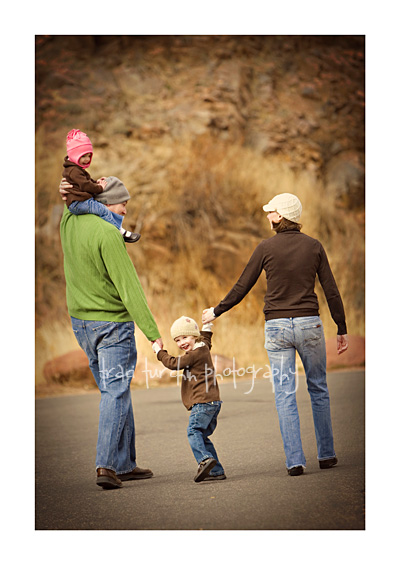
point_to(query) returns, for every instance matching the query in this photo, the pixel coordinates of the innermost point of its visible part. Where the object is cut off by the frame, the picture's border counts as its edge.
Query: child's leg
(91, 206)
(218, 468)
(202, 423)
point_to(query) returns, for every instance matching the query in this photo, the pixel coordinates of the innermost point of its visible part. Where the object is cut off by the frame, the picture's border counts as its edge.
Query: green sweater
(102, 283)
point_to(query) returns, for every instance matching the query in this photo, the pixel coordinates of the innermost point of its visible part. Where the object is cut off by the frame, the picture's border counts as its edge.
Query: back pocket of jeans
(106, 334)
(312, 333)
(275, 339)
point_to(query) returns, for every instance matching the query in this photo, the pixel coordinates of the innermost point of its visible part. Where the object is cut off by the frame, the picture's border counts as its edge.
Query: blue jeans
(202, 423)
(91, 206)
(111, 350)
(283, 337)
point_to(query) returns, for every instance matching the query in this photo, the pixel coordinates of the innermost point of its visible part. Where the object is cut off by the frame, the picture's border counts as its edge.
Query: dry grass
(200, 221)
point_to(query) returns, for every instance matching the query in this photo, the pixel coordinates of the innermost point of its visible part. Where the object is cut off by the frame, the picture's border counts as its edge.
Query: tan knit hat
(287, 205)
(184, 326)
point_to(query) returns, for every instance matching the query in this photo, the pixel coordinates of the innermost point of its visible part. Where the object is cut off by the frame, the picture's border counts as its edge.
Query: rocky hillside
(203, 130)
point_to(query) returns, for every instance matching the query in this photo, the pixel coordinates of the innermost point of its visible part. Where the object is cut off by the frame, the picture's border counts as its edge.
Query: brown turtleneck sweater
(291, 261)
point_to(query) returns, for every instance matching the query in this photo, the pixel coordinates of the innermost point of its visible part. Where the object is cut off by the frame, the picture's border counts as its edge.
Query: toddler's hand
(102, 182)
(207, 327)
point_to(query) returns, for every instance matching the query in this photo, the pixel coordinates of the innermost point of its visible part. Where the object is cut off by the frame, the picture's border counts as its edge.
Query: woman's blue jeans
(283, 337)
(202, 423)
(91, 206)
(111, 350)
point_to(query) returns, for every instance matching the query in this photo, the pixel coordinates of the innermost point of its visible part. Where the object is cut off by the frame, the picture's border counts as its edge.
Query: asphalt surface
(257, 495)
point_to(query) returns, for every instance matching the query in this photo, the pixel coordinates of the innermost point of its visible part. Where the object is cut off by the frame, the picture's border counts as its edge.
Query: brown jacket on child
(84, 187)
(199, 383)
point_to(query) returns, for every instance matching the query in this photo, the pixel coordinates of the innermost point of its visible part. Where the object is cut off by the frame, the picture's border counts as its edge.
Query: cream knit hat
(287, 205)
(184, 326)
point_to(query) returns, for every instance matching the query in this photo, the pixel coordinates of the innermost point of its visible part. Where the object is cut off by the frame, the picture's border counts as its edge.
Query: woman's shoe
(294, 471)
(328, 463)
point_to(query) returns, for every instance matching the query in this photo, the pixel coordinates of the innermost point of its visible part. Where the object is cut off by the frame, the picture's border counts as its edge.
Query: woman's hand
(208, 315)
(342, 343)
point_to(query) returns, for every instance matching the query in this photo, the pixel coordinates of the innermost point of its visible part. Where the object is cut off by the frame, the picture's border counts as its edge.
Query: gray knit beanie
(115, 192)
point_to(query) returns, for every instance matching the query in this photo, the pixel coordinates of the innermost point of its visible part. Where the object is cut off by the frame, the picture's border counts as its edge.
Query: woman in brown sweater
(291, 261)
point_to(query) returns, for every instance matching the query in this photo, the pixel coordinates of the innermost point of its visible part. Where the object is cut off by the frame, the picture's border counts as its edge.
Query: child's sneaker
(215, 477)
(129, 237)
(204, 468)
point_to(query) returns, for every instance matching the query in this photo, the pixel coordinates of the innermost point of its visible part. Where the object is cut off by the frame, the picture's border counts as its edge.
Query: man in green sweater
(105, 300)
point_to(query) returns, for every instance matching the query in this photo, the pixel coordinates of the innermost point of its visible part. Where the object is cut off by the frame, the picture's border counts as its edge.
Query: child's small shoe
(221, 477)
(130, 237)
(204, 469)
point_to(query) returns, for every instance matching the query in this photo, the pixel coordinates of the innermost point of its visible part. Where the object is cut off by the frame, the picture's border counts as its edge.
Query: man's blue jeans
(283, 337)
(91, 206)
(111, 350)
(202, 423)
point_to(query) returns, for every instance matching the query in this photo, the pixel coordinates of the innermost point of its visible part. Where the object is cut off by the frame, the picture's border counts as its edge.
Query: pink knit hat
(78, 144)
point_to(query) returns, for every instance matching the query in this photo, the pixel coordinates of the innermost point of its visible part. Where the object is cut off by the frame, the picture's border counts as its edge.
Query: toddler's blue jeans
(91, 206)
(202, 423)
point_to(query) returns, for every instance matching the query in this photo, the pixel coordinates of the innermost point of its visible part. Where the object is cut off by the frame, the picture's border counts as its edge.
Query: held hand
(208, 315)
(157, 345)
(64, 188)
(342, 343)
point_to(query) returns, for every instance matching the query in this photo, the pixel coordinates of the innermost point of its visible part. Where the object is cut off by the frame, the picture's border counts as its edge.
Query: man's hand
(342, 343)
(64, 188)
(208, 315)
(157, 345)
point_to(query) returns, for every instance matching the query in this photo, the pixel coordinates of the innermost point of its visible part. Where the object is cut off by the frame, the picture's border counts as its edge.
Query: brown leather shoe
(204, 469)
(137, 473)
(107, 479)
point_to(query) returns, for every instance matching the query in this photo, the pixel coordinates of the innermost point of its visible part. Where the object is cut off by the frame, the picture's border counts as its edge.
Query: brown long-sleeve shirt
(199, 383)
(84, 187)
(291, 261)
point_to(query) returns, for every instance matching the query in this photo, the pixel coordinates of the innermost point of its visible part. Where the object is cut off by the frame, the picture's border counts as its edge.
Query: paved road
(258, 494)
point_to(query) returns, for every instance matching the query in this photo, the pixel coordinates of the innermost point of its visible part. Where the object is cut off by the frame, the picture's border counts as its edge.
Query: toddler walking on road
(199, 390)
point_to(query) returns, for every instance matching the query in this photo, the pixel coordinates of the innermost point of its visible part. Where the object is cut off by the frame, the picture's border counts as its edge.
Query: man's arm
(125, 279)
